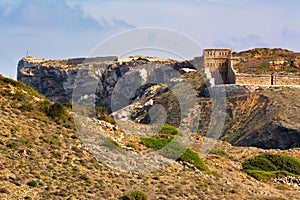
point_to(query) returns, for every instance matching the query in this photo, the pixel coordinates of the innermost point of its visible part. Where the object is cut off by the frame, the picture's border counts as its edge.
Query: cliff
(56, 79)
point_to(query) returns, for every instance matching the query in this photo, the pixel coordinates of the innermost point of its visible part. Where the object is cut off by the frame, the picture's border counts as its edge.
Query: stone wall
(287, 80)
(266, 79)
(218, 91)
(252, 79)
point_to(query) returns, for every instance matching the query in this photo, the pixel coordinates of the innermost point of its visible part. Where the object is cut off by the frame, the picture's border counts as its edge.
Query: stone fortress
(219, 67)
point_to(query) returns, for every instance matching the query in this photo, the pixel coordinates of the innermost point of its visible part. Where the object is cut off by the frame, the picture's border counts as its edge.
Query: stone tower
(218, 63)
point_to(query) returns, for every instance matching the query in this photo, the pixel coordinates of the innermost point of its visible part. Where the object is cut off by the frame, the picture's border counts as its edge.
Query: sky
(59, 29)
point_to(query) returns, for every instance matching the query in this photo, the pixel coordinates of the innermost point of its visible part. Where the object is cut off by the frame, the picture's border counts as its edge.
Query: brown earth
(257, 61)
(33, 147)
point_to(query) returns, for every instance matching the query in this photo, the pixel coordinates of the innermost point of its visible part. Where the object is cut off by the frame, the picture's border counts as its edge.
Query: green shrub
(135, 195)
(169, 130)
(32, 183)
(59, 114)
(12, 145)
(218, 152)
(56, 111)
(102, 114)
(169, 148)
(233, 191)
(192, 157)
(173, 150)
(19, 96)
(282, 187)
(51, 140)
(26, 106)
(155, 143)
(215, 174)
(156, 177)
(268, 166)
(261, 175)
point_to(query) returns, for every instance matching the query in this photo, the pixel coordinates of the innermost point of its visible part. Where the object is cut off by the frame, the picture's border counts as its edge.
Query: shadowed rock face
(54, 82)
(274, 137)
(267, 119)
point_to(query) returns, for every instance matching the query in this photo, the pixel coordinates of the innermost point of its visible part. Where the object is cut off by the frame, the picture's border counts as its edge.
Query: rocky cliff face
(56, 79)
(264, 118)
(53, 79)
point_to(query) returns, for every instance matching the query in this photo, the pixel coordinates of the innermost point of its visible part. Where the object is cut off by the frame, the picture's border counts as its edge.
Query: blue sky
(72, 28)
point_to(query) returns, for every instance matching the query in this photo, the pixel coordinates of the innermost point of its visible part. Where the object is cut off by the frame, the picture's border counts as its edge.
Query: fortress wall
(218, 91)
(263, 79)
(287, 80)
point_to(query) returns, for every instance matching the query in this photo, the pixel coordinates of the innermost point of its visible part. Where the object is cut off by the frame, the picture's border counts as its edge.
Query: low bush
(282, 187)
(135, 195)
(26, 107)
(58, 113)
(175, 150)
(192, 157)
(102, 114)
(155, 143)
(218, 152)
(169, 130)
(266, 175)
(50, 140)
(268, 166)
(32, 183)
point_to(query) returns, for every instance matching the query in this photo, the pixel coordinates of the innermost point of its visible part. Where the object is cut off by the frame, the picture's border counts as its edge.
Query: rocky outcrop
(266, 119)
(289, 180)
(51, 79)
(104, 80)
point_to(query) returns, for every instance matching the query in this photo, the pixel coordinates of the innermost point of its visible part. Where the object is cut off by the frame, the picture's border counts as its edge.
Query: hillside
(262, 117)
(42, 157)
(267, 119)
(265, 60)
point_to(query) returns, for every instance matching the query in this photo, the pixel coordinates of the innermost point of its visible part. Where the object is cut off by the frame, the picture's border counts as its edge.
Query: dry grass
(41, 159)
